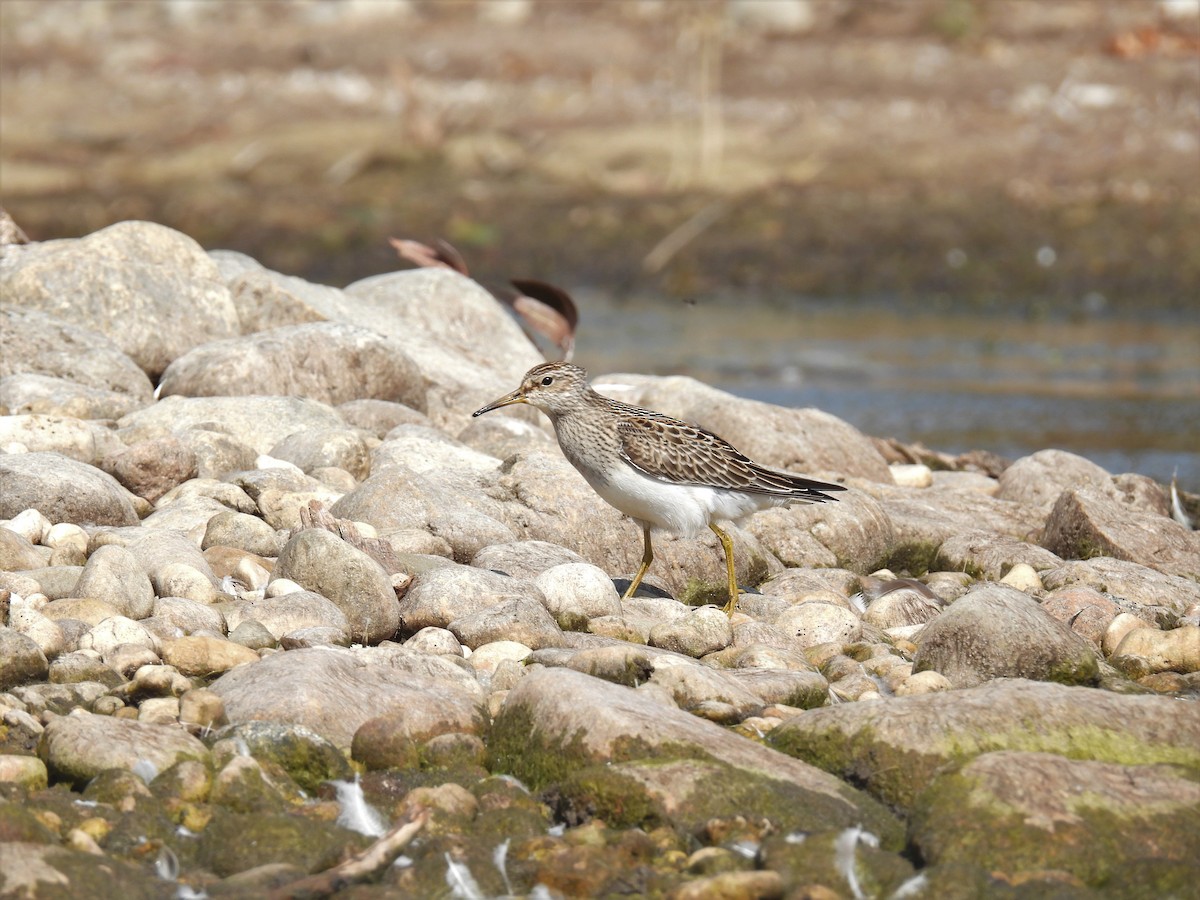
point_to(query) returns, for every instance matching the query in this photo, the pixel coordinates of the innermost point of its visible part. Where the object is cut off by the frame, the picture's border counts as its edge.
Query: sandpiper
(658, 470)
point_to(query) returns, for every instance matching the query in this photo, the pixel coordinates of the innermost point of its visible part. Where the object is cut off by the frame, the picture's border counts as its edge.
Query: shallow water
(1123, 393)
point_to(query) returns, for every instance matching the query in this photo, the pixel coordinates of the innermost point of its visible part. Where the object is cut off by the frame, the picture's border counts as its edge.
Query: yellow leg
(733, 588)
(647, 558)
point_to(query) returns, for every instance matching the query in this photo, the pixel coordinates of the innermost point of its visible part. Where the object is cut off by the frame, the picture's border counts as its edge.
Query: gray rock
(253, 634)
(989, 556)
(806, 441)
(440, 596)
(333, 692)
(1001, 810)
(49, 396)
(324, 446)
(1127, 581)
(1037, 480)
(502, 436)
(524, 559)
(152, 290)
(63, 490)
(259, 422)
(1087, 523)
(78, 748)
(288, 613)
(795, 584)
(36, 343)
(21, 660)
(702, 631)
(465, 344)
(314, 636)
(156, 551)
(900, 608)
(896, 749)
(217, 453)
(999, 632)
(55, 582)
(855, 530)
(583, 723)
(245, 532)
(575, 592)
(524, 620)
(113, 574)
(380, 416)
(73, 668)
(25, 862)
(790, 687)
(1083, 609)
(78, 439)
(309, 360)
(189, 616)
(816, 622)
(924, 519)
(152, 467)
(322, 562)
(307, 757)
(17, 553)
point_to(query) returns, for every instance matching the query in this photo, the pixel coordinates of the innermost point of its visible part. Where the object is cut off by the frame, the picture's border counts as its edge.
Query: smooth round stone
(253, 634)
(912, 475)
(314, 636)
(113, 632)
(923, 683)
(182, 580)
(577, 592)
(31, 525)
(489, 656)
(432, 639)
(703, 631)
(1118, 628)
(820, 623)
(1177, 650)
(1023, 577)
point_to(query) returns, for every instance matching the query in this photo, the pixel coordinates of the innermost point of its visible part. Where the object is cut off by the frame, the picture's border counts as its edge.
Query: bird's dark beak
(507, 400)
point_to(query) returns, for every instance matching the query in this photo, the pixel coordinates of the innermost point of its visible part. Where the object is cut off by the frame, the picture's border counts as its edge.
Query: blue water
(1123, 393)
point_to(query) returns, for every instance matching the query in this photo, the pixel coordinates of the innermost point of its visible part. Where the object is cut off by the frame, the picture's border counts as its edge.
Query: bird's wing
(671, 450)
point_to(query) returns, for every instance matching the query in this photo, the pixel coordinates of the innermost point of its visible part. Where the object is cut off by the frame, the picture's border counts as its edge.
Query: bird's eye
(548, 380)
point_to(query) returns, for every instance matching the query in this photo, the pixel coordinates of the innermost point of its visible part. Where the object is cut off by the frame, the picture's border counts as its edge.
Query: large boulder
(896, 749)
(996, 631)
(63, 490)
(152, 290)
(327, 361)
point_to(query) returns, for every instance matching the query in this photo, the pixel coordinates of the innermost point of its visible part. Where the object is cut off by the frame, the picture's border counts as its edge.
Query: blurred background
(970, 223)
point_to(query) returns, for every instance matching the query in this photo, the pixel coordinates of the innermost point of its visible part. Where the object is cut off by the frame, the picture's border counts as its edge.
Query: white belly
(683, 509)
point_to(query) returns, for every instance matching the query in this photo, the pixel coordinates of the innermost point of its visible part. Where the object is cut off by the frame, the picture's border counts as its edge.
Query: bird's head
(551, 387)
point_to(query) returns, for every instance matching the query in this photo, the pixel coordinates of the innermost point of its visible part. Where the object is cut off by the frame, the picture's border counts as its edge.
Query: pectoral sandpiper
(659, 471)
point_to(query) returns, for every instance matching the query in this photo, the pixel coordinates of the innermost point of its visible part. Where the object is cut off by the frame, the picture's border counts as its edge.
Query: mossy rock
(235, 842)
(1014, 813)
(829, 859)
(19, 824)
(64, 874)
(308, 758)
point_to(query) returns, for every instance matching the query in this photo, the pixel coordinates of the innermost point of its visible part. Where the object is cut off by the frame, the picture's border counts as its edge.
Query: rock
(292, 612)
(464, 343)
(152, 290)
(714, 694)
(92, 612)
(203, 655)
(1127, 581)
(322, 562)
(901, 605)
(1084, 610)
(46, 867)
(21, 660)
(17, 553)
(1023, 577)
(1087, 523)
(218, 453)
(333, 692)
(435, 641)
(1037, 480)
(63, 490)
(896, 749)
(855, 529)
(1177, 650)
(82, 441)
(27, 771)
(259, 422)
(153, 467)
(819, 623)
(989, 556)
(46, 634)
(308, 360)
(49, 347)
(439, 597)
(523, 620)
(253, 634)
(246, 532)
(394, 740)
(923, 683)
(48, 396)
(576, 592)
(703, 631)
(76, 748)
(487, 658)
(203, 708)
(380, 416)
(307, 757)
(111, 633)
(1011, 812)
(924, 520)
(996, 632)
(561, 729)
(114, 575)
(73, 668)
(799, 440)
(524, 559)
(502, 436)
(238, 842)
(324, 446)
